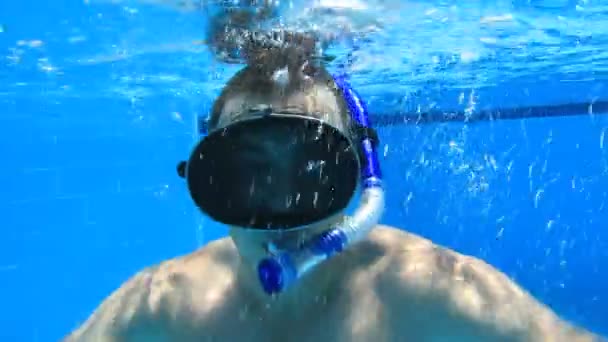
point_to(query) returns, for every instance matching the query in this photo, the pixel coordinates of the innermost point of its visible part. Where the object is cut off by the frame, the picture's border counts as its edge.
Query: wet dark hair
(257, 83)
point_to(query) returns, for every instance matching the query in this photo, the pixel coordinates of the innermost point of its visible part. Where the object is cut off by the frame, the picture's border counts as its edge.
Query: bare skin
(393, 286)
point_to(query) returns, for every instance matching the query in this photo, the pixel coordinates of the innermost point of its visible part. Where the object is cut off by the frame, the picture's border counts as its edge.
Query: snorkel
(207, 171)
(209, 176)
(284, 267)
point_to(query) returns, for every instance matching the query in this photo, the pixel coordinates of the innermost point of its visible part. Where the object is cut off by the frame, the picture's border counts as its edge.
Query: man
(279, 165)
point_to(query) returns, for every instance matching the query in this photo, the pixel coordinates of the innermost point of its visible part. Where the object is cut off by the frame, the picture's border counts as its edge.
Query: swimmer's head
(279, 152)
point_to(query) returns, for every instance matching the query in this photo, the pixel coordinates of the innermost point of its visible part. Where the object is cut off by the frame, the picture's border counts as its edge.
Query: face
(276, 171)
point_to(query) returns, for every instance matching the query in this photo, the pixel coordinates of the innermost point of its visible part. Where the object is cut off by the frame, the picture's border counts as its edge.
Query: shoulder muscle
(475, 294)
(149, 305)
(125, 307)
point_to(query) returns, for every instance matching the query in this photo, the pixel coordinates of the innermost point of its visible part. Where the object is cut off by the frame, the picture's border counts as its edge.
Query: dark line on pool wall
(439, 116)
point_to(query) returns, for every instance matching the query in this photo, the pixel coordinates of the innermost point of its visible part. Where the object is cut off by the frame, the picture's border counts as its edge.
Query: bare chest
(322, 326)
(345, 319)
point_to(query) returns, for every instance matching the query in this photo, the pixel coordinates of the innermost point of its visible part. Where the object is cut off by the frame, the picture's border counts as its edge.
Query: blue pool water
(98, 102)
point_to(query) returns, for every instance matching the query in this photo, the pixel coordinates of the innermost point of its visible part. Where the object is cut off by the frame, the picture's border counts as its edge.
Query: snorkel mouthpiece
(283, 268)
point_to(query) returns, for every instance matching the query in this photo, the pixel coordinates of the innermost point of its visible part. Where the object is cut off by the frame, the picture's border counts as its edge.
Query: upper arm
(125, 308)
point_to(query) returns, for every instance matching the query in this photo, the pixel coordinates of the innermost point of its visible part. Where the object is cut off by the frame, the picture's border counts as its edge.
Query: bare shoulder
(479, 298)
(143, 304)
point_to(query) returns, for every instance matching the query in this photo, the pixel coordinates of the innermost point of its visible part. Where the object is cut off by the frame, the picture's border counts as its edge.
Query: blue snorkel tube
(284, 267)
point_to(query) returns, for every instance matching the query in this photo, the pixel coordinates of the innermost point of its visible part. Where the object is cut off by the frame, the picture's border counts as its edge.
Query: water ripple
(404, 45)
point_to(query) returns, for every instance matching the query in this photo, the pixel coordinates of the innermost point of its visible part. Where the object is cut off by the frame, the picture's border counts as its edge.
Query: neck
(252, 247)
